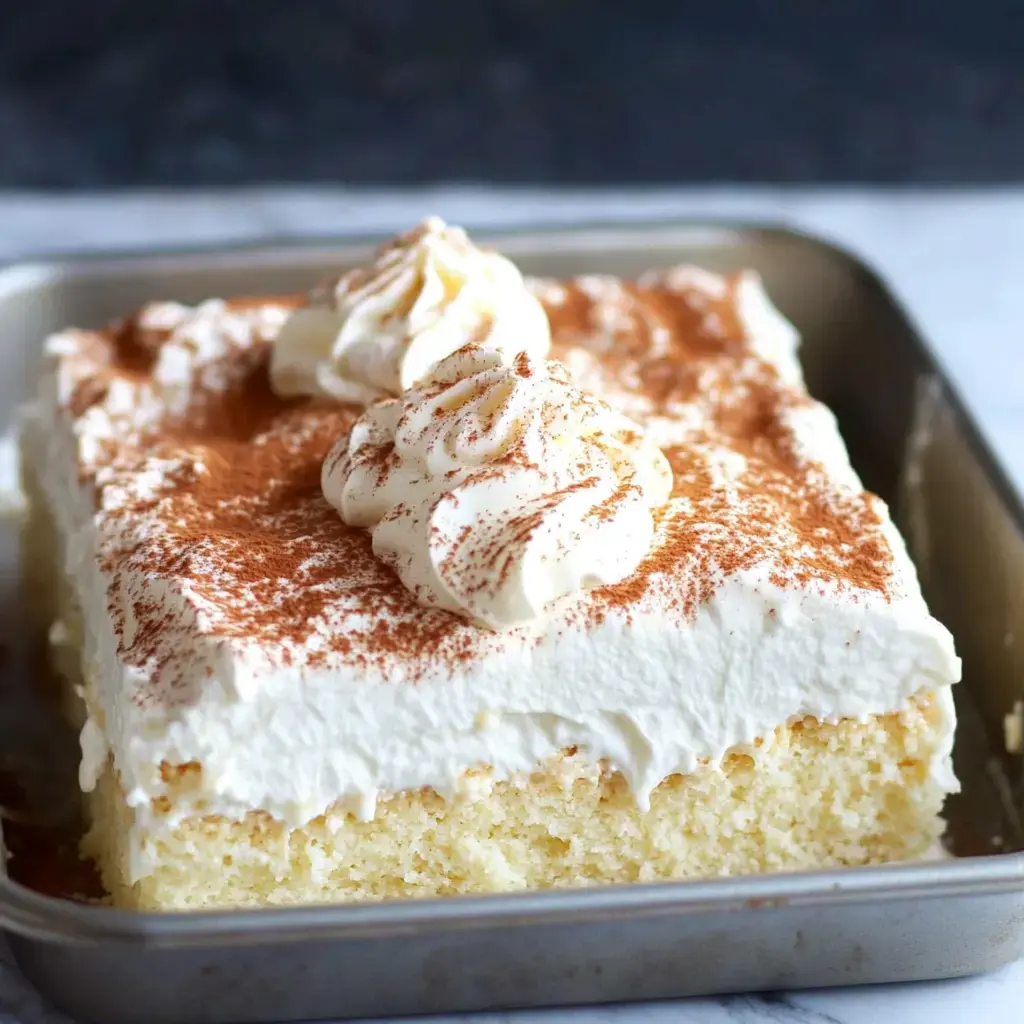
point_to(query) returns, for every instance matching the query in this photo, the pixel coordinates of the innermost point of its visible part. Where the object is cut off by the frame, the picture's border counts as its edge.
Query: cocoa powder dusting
(236, 525)
(678, 345)
(653, 338)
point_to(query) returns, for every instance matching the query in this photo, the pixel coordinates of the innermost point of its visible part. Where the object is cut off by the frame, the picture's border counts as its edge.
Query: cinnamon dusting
(239, 529)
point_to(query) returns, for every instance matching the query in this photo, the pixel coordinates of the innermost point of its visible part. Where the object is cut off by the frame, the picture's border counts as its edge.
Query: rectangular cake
(444, 581)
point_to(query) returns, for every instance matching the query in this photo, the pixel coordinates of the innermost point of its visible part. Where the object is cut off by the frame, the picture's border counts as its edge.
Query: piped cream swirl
(493, 490)
(380, 329)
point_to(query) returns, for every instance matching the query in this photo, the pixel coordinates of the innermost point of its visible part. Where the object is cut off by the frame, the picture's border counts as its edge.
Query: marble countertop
(956, 260)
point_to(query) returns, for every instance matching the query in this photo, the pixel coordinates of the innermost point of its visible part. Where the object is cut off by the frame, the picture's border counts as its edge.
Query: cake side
(812, 796)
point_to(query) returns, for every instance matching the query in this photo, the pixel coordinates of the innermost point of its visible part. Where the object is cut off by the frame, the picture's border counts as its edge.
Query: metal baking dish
(912, 442)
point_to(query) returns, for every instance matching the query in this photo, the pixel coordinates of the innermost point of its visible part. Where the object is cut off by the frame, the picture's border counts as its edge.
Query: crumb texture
(812, 795)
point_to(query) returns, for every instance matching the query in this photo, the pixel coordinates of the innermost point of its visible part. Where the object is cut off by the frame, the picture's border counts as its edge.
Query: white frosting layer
(493, 490)
(771, 341)
(295, 735)
(380, 329)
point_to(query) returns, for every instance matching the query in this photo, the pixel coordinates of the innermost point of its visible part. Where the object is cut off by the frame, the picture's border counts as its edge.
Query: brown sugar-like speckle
(237, 528)
(783, 510)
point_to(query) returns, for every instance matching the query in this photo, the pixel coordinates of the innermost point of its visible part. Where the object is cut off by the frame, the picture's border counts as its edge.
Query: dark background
(106, 93)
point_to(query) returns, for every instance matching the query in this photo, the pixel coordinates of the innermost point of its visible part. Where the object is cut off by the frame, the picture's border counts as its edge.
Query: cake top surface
(207, 484)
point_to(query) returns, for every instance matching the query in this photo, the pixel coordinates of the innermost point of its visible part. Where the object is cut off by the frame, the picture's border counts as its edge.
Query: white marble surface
(956, 260)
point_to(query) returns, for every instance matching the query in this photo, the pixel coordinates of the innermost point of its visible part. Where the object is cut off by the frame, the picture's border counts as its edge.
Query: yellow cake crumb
(817, 795)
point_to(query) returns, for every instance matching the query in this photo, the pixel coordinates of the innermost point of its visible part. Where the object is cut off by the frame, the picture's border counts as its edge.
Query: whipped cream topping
(667, 348)
(494, 490)
(380, 329)
(173, 355)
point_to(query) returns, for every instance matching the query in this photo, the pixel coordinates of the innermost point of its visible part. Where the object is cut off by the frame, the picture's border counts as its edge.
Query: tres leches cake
(445, 581)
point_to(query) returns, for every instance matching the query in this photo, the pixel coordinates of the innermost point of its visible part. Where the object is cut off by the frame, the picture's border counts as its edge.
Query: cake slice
(503, 602)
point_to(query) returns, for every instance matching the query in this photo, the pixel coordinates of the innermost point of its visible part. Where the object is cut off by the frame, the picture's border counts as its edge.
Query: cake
(442, 580)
